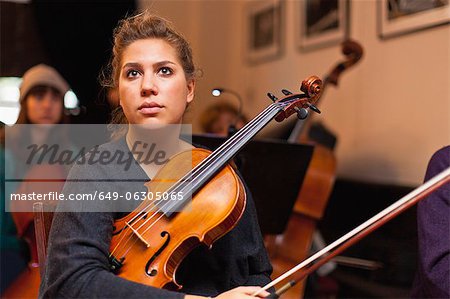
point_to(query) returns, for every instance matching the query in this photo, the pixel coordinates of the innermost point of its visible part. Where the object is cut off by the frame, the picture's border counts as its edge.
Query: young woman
(42, 96)
(153, 70)
(41, 103)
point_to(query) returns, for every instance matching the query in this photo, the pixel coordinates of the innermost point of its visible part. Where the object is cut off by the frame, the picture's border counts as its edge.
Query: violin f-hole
(152, 271)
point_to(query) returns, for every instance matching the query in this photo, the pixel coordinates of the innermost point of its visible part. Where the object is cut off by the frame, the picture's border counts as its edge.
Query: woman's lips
(47, 118)
(150, 108)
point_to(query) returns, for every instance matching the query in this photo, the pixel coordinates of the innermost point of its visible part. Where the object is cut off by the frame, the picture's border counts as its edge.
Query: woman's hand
(237, 293)
(243, 292)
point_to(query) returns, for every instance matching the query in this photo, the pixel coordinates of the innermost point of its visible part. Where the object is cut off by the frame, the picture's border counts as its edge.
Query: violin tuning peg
(272, 97)
(302, 113)
(286, 92)
(314, 108)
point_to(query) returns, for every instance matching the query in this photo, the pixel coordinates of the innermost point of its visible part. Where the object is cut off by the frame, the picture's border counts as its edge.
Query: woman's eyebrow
(163, 63)
(155, 65)
(131, 64)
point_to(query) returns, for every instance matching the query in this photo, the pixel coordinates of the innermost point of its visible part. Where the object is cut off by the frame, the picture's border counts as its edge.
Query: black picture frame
(397, 17)
(321, 23)
(264, 30)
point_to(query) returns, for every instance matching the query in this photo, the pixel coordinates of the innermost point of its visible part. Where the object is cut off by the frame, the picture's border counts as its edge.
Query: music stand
(274, 172)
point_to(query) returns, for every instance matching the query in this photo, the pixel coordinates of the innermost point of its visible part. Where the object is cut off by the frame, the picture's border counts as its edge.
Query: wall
(390, 112)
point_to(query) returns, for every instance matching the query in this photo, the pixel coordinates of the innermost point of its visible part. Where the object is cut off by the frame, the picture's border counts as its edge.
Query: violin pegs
(286, 92)
(314, 108)
(272, 97)
(302, 113)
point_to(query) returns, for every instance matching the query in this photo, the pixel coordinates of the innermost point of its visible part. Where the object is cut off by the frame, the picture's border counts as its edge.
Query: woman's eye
(165, 71)
(132, 73)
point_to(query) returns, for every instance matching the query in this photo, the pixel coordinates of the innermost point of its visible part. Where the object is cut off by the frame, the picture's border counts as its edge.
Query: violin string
(199, 170)
(123, 233)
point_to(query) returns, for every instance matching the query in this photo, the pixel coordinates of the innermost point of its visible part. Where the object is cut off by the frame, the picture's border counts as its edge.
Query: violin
(149, 244)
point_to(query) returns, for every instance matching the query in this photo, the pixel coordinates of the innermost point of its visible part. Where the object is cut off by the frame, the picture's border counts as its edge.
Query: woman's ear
(191, 90)
(113, 97)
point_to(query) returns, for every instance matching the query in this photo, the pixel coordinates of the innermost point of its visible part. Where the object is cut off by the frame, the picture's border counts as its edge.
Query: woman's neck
(152, 147)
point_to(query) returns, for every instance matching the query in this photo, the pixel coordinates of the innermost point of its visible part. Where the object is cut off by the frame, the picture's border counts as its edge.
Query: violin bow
(321, 257)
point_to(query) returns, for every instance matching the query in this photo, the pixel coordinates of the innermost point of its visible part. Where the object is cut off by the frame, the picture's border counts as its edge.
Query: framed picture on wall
(397, 17)
(263, 37)
(321, 23)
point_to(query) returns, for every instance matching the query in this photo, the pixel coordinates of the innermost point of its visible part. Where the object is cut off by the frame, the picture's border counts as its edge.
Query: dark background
(75, 37)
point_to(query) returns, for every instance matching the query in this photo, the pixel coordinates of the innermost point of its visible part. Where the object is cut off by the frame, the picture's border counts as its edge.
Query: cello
(294, 244)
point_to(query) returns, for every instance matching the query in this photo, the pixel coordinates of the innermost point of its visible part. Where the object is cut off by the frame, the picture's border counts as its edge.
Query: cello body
(293, 246)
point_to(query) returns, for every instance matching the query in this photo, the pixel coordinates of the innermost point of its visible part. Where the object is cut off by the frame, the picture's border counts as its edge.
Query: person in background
(221, 119)
(433, 222)
(41, 102)
(42, 96)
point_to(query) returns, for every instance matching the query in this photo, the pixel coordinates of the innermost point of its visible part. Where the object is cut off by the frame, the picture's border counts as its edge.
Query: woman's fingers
(252, 290)
(244, 292)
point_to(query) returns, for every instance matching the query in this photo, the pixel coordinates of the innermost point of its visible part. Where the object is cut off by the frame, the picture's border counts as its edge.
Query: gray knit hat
(42, 75)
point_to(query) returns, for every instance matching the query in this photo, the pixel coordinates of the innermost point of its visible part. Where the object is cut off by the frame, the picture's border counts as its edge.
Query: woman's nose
(48, 100)
(148, 87)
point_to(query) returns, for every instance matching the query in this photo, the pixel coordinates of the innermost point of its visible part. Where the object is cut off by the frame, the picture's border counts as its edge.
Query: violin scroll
(312, 87)
(300, 103)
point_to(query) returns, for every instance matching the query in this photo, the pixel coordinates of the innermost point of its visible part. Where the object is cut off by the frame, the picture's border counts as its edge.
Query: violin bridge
(138, 235)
